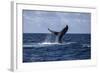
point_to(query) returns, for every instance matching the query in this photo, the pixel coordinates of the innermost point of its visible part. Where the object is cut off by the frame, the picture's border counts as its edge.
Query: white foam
(45, 44)
(49, 43)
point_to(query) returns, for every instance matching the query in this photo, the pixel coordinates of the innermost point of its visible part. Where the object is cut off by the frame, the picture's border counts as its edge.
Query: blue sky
(39, 21)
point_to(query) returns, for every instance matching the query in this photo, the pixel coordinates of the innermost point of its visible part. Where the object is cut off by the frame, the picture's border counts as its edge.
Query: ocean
(42, 47)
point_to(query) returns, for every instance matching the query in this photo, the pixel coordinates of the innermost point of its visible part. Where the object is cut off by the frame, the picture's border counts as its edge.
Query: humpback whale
(60, 34)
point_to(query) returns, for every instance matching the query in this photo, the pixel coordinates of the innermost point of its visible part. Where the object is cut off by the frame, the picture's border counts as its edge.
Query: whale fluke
(54, 32)
(60, 34)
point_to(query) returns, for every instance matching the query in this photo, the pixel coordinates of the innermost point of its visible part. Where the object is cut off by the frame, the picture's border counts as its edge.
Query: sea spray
(48, 38)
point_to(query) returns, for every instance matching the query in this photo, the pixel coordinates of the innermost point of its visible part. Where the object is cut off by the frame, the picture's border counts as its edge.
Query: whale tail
(60, 34)
(54, 32)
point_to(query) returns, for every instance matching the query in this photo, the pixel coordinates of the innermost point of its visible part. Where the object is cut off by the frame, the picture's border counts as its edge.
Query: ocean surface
(42, 47)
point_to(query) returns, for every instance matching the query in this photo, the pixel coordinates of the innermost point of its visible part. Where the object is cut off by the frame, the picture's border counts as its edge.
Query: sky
(35, 21)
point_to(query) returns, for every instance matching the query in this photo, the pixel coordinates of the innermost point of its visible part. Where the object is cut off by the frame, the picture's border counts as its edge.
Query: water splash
(48, 38)
(51, 39)
(56, 39)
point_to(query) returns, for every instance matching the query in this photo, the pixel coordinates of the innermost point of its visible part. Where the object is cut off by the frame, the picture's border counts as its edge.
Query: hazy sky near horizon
(39, 21)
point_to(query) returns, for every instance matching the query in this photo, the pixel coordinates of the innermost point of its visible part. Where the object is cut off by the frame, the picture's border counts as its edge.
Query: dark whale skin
(60, 34)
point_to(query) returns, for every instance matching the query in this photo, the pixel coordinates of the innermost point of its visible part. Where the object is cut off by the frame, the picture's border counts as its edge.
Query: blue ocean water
(40, 47)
